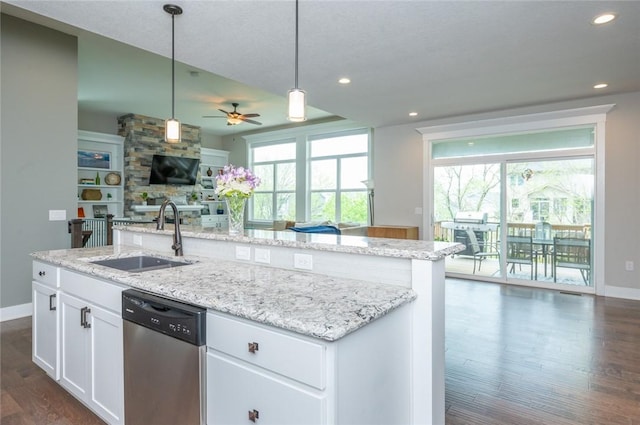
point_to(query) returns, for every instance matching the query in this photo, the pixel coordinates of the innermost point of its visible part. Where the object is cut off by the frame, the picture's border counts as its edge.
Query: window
(314, 173)
(338, 165)
(275, 164)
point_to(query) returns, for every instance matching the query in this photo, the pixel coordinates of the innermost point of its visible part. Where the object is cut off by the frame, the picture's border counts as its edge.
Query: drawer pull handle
(253, 415)
(52, 306)
(41, 273)
(83, 317)
(253, 347)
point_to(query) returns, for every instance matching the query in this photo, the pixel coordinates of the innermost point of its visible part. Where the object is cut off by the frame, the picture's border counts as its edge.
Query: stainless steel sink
(141, 263)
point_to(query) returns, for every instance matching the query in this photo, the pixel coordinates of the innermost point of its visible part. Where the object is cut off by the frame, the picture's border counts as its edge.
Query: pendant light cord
(173, 66)
(296, 53)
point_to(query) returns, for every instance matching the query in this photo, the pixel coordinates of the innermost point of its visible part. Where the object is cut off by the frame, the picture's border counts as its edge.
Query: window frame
(303, 135)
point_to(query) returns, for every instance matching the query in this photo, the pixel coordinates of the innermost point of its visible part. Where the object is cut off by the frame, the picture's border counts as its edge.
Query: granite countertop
(315, 305)
(383, 247)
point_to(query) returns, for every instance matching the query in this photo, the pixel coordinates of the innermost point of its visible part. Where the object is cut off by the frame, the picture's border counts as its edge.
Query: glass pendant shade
(172, 131)
(297, 105)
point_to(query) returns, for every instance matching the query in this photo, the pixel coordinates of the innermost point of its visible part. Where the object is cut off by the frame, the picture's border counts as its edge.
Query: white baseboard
(15, 312)
(621, 292)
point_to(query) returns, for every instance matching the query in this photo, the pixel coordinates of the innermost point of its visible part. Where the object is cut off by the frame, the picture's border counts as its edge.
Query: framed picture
(92, 159)
(100, 211)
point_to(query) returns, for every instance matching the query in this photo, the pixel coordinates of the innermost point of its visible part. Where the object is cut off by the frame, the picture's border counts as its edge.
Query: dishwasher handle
(163, 310)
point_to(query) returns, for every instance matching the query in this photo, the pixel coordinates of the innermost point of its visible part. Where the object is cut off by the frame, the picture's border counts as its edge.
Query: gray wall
(38, 144)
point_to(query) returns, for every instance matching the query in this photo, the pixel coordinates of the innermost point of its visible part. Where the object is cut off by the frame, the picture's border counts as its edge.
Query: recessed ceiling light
(344, 80)
(413, 114)
(603, 19)
(600, 86)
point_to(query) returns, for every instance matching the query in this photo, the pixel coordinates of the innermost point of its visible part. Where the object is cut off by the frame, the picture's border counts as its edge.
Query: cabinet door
(45, 329)
(75, 341)
(107, 371)
(235, 391)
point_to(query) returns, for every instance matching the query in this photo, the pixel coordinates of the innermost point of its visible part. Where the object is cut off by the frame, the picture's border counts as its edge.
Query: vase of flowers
(235, 185)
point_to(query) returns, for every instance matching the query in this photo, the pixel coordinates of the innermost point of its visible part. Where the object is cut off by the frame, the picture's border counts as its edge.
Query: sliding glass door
(522, 205)
(549, 216)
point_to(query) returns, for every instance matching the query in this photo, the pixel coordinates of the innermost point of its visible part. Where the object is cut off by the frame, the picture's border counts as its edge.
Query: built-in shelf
(151, 208)
(111, 146)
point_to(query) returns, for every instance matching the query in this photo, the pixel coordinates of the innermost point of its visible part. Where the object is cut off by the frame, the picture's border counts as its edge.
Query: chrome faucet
(177, 236)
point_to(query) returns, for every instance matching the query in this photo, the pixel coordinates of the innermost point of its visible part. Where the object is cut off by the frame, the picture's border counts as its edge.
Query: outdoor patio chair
(573, 253)
(520, 251)
(480, 250)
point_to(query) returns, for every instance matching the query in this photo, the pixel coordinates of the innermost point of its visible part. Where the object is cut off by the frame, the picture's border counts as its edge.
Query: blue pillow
(317, 229)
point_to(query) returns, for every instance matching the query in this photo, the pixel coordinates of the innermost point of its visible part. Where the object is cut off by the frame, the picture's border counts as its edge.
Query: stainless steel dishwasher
(164, 360)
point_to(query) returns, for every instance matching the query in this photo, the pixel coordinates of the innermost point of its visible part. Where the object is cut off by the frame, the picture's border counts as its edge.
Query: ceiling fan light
(172, 130)
(297, 105)
(233, 121)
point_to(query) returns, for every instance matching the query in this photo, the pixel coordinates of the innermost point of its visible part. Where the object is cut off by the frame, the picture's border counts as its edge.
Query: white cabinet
(45, 323)
(211, 163)
(245, 395)
(91, 366)
(100, 174)
(261, 374)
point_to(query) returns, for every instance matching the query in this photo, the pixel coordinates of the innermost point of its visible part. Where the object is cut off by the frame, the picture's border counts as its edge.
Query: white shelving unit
(104, 145)
(214, 212)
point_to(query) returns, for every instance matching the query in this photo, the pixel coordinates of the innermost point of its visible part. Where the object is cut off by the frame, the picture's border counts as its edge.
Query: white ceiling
(438, 58)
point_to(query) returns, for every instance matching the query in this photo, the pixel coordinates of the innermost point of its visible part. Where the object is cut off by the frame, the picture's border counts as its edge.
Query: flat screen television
(173, 170)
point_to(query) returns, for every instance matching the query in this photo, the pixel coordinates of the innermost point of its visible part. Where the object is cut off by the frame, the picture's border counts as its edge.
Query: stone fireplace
(144, 137)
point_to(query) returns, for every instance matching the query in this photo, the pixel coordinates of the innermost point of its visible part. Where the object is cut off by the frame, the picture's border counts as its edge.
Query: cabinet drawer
(46, 274)
(97, 291)
(235, 390)
(295, 358)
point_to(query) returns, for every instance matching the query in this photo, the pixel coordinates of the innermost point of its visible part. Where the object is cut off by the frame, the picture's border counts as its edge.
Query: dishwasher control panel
(179, 320)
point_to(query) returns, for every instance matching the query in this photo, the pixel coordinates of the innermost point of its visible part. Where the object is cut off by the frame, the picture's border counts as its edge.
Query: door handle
(253, 347)
(253, 415)
(83, 317)
(52, 305)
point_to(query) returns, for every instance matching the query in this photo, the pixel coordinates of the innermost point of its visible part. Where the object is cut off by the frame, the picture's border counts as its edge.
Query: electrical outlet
(303, 261)
(628, 266)
(262, 256)
(243, 253)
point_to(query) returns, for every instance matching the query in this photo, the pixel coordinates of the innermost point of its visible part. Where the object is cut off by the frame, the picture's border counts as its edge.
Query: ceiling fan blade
(223, 111)
(251, 121)
(250, 115)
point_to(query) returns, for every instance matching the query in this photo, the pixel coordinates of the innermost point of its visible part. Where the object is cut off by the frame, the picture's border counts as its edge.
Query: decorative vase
(235, 212)
(209, 172)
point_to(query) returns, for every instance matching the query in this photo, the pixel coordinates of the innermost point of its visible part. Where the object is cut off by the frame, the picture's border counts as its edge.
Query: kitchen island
(347, 284)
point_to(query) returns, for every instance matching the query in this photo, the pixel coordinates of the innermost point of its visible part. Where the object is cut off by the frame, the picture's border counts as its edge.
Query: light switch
(57, 215)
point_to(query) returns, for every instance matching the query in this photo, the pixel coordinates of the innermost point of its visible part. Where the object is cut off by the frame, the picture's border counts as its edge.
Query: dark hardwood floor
(517, 355)
(27, 395)
(514, 355)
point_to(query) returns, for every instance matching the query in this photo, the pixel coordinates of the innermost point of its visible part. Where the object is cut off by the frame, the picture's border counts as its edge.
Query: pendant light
(297, 97)
(172, 130)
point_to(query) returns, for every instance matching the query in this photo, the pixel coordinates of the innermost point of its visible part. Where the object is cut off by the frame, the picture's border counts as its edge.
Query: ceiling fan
(235, 117)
